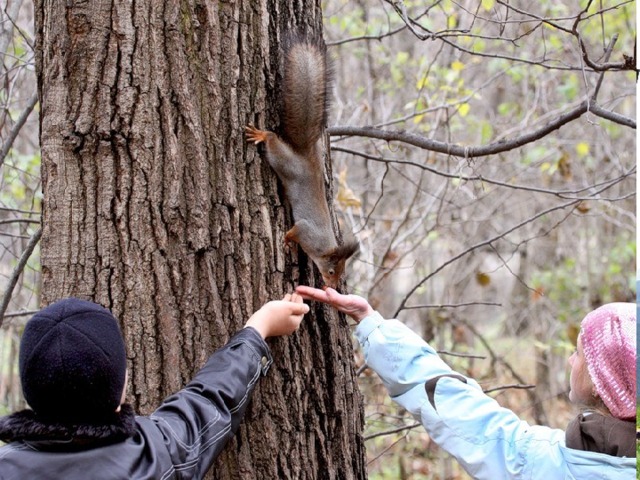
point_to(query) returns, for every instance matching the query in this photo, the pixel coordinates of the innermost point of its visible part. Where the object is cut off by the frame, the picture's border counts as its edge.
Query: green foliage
(20, 175)
(473, 79)
(570, 87)
(608, 278)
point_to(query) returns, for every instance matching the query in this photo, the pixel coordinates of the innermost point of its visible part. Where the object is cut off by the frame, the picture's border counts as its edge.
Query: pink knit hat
(608, 336)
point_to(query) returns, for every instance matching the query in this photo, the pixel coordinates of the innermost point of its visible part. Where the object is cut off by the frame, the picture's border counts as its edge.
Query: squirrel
(297, 158)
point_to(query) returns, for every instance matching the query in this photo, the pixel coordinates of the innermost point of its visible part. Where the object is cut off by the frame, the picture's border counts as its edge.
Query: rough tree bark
(155, 207)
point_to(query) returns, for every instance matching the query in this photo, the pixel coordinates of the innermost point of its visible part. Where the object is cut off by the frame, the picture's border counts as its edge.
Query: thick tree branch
(598, 111)
(482, 150)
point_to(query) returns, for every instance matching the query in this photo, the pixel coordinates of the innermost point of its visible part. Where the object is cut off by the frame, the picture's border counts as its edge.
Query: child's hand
(353, 305)
(279, 317)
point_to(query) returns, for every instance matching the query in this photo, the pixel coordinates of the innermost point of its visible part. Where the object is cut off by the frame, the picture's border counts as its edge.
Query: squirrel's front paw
(252, 134)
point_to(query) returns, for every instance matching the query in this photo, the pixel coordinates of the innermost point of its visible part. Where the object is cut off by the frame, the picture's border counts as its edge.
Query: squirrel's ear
(346, 250)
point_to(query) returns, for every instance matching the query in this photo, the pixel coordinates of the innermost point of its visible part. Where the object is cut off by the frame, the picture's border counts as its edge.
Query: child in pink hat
(603, 381)
(608, 341)
(491, 442)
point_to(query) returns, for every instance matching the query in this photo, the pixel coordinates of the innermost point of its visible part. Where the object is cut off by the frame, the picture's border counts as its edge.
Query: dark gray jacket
(181, 439)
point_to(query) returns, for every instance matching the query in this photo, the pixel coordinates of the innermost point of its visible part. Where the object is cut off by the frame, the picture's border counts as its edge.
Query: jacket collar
(26, 426)
(595, 432)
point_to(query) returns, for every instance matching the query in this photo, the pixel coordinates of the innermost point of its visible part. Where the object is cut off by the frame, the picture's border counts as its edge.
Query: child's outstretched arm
(279, 317)
(353, 305)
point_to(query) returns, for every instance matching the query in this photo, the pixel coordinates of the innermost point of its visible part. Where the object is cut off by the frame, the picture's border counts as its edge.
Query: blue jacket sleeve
(198, 421)
(490, 442)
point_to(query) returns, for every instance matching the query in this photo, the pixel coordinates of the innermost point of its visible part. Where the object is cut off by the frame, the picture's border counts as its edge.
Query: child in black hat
(73, 372)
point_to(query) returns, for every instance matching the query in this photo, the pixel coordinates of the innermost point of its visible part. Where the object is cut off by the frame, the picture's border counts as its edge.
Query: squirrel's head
(332, 264)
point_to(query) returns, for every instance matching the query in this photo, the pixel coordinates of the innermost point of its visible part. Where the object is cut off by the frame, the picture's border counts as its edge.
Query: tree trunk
(155, 207)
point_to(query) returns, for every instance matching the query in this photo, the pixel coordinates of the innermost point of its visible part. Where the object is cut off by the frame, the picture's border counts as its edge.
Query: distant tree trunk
(155, 207)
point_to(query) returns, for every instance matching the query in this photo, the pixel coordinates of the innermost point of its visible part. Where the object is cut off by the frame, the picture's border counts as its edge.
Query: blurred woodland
(483, 152)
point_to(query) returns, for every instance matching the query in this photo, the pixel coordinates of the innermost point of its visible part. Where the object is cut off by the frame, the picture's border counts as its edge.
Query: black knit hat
(73, 362)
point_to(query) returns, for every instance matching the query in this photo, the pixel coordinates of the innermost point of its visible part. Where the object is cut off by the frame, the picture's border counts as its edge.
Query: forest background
(483, 154)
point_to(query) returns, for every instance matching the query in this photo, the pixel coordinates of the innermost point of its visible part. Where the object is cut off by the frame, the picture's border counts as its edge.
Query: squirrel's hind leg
(292, 235)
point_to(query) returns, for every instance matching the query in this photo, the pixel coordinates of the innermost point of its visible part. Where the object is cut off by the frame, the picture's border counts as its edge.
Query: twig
(462, 355)
(452, 305)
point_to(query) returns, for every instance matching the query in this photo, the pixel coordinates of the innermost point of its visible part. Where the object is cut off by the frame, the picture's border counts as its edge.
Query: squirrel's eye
(332, 271)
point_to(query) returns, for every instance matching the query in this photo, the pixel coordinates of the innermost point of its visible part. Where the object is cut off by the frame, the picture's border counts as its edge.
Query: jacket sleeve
(198, 421)
(490, 442)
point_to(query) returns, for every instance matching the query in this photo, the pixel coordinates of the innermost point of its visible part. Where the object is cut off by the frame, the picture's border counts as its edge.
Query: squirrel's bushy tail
(307, 84)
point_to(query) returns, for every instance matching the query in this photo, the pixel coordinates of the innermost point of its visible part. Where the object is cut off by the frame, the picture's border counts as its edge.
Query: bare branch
(392, 431)
(13, 280)
(11, 318)
(479, 245)
(565, 194)
(495, 358)
(462, 355)
(611, 116)
(17, 210)
(366, 37)
(17, 127)
(446, 35)
(574, 32)
(19, 220)
(483, 150)
(505, 387)
(26, 313)
(607, 54)
(457, 305)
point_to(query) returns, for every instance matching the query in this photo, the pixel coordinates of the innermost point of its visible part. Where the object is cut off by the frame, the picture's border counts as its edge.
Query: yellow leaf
(417, 118)
(422, 83)
(457, 66)
(346, 198)
(537, 294)
(488, 4)
(452, 22)
(564, 166)
(483, 279)
(464, 109)
(582, 148)
(583, 207)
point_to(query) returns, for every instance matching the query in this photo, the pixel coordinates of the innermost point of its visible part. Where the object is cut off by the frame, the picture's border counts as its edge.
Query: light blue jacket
(490, 442)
